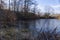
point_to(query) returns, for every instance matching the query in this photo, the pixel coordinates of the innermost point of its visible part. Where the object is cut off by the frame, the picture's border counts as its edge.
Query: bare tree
(9, 4)
(27, 4)
(23, 5)
(34, 8)
(19, 4)
(15, 4)
(49, 9)
(1, 5)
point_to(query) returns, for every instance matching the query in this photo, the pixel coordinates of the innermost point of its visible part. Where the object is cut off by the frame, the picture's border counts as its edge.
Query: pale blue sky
(52, 3)
(48, 2)
(43, 3)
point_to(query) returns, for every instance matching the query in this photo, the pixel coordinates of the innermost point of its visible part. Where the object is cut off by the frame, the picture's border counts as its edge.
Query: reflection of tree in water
(47, 21)
(41, 24)
(45, 25)
(23, 25)
(27, 30)
(26, 24)
(33, 27)
(30, 26)
(45, 33)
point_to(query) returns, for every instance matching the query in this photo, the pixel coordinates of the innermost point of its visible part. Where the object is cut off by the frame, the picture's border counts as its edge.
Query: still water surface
(45, 24)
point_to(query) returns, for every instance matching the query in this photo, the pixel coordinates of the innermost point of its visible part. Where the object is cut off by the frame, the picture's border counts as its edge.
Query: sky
(43, 4)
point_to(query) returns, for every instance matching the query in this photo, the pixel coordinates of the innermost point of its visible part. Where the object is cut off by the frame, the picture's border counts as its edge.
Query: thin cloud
(56, 6)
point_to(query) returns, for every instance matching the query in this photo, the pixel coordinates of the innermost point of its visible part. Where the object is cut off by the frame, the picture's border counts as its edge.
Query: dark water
(45, 24)
(37, 29)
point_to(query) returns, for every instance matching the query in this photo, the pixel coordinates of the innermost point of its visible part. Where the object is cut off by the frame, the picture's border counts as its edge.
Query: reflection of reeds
(42, 35)
(15, 34)
(25, 34)
(49, 34)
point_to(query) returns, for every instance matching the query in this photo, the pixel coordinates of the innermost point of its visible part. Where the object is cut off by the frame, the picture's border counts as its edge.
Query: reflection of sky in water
(50, 23)
(45, 24)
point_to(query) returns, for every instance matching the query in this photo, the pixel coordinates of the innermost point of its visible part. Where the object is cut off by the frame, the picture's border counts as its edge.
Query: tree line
(19, 5)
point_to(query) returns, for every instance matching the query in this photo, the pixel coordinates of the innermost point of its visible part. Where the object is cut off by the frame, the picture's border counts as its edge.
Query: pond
(42, 29)
(45, 24)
